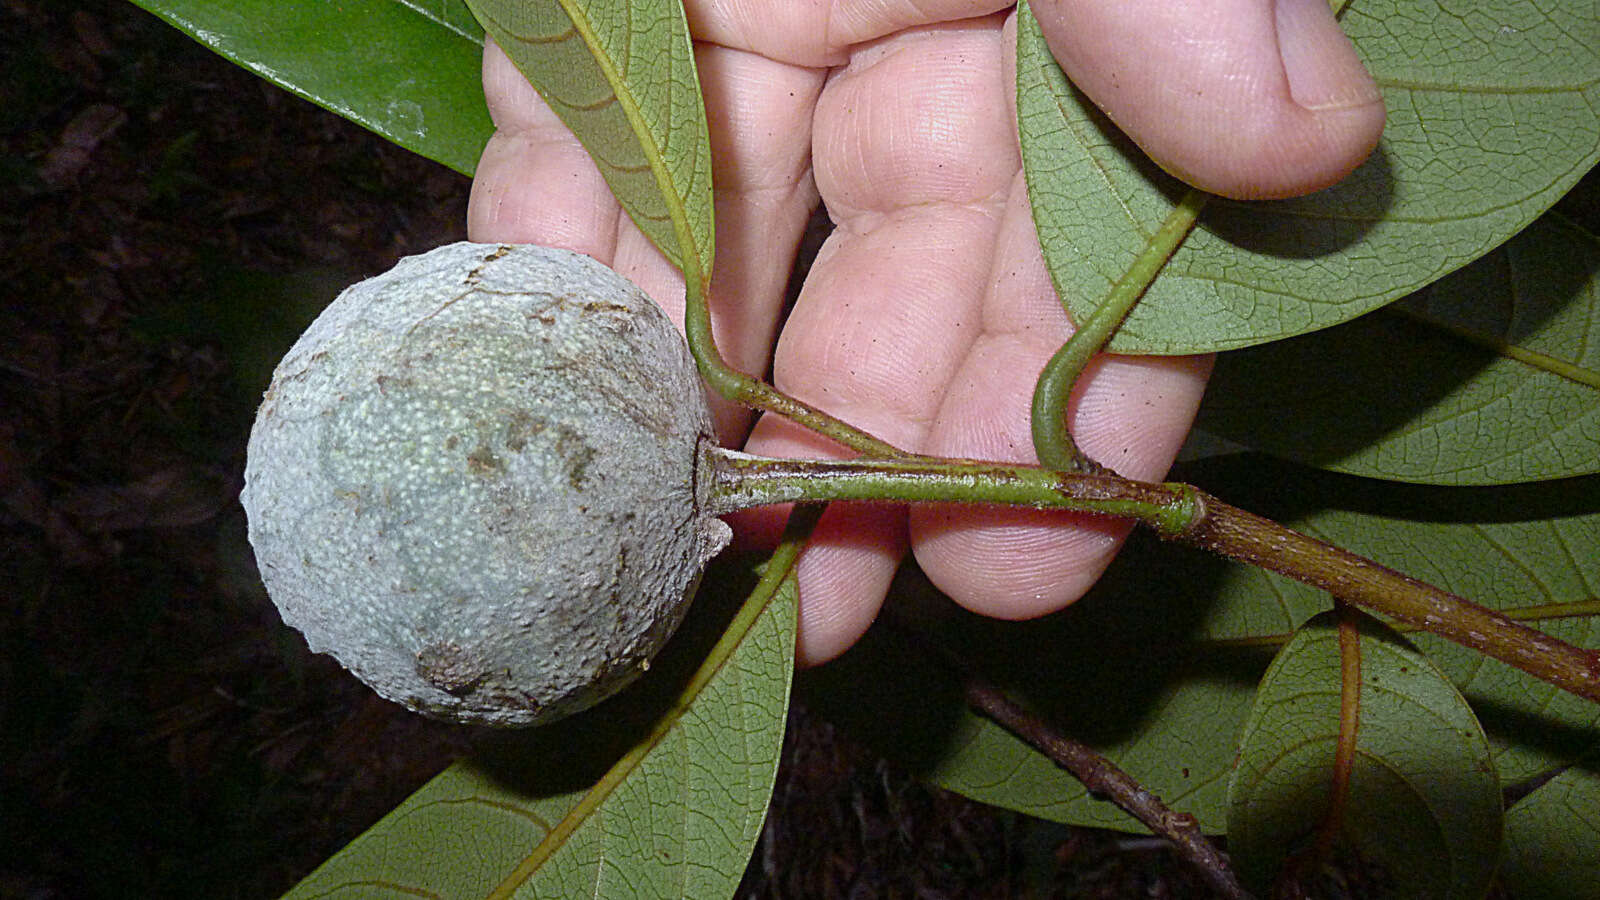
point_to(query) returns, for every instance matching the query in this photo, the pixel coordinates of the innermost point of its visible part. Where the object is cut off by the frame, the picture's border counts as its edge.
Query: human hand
(928, 313)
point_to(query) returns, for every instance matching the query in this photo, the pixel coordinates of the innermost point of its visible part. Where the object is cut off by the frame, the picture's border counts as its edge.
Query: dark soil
(168, 223)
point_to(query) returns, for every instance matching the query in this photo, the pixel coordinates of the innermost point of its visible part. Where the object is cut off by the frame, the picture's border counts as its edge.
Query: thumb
(1249, 99)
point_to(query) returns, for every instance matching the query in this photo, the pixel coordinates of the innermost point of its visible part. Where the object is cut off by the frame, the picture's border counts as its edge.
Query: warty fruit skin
(472, 482)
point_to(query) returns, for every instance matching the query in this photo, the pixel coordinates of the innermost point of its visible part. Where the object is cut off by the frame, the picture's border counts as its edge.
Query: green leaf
(1112, 671)
(622, 77)
(1423, 802)
(1157, 667)
(408, 71)
(1494, 111)
(681, 824)
(1553, 837)
(1489, 376)
(1530, 550)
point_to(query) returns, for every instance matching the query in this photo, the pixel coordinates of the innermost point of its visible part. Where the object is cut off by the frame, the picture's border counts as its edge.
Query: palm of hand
(928, 312)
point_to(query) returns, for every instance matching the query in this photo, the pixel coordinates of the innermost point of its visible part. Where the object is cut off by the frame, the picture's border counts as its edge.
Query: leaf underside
(1494, 112)
(1133, 668)
(1424, 801)
(682, 825)
(622, 77)
(1492, 116)
(1491, 375)
(1553, 837)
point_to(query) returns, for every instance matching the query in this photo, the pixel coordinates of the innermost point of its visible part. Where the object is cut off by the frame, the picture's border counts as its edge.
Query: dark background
(168, 223)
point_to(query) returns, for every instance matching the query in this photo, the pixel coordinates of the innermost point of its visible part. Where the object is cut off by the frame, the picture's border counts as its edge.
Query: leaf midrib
(655, 156)
(1533, 359)
(440, 21)
(1406, 84)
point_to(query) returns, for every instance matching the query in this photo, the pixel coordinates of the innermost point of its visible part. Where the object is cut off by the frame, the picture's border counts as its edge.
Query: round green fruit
(472, 482)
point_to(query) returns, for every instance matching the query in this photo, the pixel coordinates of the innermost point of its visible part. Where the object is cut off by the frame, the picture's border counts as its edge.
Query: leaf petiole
(754, 393)
(1052, 441)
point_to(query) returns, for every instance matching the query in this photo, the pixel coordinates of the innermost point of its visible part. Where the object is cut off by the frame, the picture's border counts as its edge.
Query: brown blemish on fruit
(449, 668)
(482, 461)
(575, 453)
(520, 426)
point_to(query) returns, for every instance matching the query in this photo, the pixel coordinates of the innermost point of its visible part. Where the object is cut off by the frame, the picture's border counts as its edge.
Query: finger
(1244, 98)
(819, 34)
(759, 114)
(1131, 413)
(536, 184)
(913, 156)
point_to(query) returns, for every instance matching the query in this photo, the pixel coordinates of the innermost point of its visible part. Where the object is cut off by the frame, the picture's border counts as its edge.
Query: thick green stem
(739, 481)
(1052, 440)
(1177, 512)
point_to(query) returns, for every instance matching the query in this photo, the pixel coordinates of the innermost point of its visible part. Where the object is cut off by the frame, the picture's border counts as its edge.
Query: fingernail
(1324, 71)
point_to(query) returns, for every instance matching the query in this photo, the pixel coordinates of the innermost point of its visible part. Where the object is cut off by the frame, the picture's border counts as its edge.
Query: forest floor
(169, 224)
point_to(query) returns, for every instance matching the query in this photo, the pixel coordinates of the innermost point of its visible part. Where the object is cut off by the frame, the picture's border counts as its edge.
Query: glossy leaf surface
(408, 71)
(622, 77)
(1489, 376)
(1492, 116)
(1423, 802)
(680, 825)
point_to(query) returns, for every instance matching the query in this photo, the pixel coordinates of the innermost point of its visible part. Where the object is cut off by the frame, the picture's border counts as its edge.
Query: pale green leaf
(681, 825)
(1423, 802)
(1494, 111)
(1553, 837)
(406, 69)
(1148, 668)
(622, 77)
(1489, 376)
